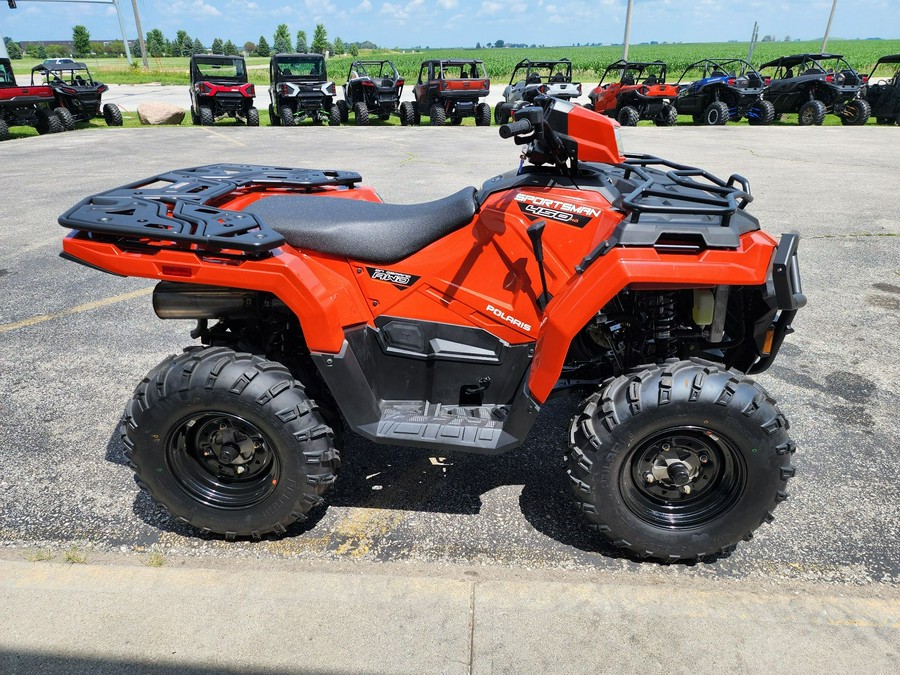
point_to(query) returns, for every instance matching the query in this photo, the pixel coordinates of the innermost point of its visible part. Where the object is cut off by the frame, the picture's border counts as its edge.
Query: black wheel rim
(222, 460)
(716, 471)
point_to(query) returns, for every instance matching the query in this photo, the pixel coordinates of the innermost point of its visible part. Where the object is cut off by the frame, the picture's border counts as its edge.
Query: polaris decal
(500, 314)
(399, 279)
(536, 207)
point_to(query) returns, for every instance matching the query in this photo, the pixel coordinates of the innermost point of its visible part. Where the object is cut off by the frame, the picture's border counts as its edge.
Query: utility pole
(140, 32)
(627, 30)
(828, 27)
(753, 38)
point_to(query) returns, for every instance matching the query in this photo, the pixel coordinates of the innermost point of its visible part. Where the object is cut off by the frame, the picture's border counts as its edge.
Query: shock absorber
(663, 324)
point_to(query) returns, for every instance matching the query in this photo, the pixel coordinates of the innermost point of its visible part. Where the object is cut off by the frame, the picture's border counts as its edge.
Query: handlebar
(515, 128)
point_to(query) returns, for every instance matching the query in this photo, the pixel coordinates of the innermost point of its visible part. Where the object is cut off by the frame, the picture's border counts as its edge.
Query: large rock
(160, 113)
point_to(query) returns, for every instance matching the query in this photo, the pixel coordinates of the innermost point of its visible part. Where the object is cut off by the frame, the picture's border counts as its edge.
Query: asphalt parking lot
(74, 342)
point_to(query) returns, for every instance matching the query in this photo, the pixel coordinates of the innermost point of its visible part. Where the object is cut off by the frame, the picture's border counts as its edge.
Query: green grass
(588, 62)
(74, 556)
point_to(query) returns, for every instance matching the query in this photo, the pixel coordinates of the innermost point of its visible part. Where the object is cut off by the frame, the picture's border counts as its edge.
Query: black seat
(365, 231)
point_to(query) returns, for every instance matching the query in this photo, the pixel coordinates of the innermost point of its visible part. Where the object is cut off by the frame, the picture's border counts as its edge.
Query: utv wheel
(811, 113)
(501, 115)
(628, 116)
(407, 114)
(206, 116)
(438, 115)
(482, 115)
(287, 116)
(65, 117)
(762, 113)
(679, 461)
(112, 115)
(345, 112)
(668, 117)
(228, 442)
(252, 117)
(334, 116)
(48, 122)
(274, 120)
(856, 113)
(716, 114)
(4, 131)
(361, 113)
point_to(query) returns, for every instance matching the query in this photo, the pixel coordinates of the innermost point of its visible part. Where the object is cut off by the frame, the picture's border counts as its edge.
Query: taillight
(69, 90)
(829, 78)
(250, 90)
(731, 81)
(284, 89)
(400, 82)
(331, 89)
(368, 83)
(102, 88)
(865, 79)
(543, 89)
(768, 80)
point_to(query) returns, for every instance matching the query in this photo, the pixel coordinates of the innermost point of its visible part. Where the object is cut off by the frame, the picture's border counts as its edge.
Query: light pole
(828, 27)
(627, 31)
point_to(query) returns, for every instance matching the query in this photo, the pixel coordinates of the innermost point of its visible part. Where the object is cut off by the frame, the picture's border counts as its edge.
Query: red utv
(641, 93)
(219, 89)
(449, 89)
(25, 106)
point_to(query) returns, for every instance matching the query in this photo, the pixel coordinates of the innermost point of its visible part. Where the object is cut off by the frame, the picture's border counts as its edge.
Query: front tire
(286, 114)
(344, 111)
(482, 115)
(501, 114)
(4, 131)
(229, 442)
(334, 115)
(48, 122)
(207, 119)
(628, 116)
(112, 115)
(680, 461)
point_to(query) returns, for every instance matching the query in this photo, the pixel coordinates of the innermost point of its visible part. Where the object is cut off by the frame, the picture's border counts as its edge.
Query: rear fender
(323, 300)
(587, 293)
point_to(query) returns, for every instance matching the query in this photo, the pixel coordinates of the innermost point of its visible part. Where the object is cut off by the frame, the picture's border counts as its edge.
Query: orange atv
(641, 93)
(641, 285)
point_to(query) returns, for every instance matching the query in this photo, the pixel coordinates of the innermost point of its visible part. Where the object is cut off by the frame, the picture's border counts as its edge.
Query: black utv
(726, 90)
(883, 90)
(813, 85)
(219, 89)
(77, 94)
(373, 88)
(299, 88)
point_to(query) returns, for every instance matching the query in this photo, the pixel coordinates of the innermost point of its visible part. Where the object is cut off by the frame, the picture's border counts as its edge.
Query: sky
(462, 23)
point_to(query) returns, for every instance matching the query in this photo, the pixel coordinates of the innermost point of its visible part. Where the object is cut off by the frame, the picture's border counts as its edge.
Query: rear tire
(206, 116)
(761, 114)
(229, 443)
(345, 112)
(628, 116)
(407, 114)
(811, 113)
(48, 122)
(361, 113)
(668, 117)
(112, 115)
(4, 131)
(252, 117)
(857, 113)
(286, 114)
(65, 117)
(334, 116)
(501, 114)
(438, 115)
(716, 114)
(680, 461)
(482, 115)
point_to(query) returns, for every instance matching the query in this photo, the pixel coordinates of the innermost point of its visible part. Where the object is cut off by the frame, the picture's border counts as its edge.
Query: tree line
(158, 45)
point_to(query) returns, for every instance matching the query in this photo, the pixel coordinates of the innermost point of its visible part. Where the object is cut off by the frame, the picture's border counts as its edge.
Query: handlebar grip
(515, 128)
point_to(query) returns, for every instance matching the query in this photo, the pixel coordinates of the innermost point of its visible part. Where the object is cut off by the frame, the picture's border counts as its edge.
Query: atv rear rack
(174, 207)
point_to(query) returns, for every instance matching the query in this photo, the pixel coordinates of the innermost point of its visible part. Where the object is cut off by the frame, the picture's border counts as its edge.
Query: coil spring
(663, 324)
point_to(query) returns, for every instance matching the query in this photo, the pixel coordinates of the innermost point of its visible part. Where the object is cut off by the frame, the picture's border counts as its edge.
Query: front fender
(643, 269)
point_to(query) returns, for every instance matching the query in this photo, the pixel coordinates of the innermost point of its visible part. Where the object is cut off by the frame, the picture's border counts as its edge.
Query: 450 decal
(540, 207)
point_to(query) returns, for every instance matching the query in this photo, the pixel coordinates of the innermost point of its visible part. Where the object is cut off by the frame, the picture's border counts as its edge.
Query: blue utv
(727, 90)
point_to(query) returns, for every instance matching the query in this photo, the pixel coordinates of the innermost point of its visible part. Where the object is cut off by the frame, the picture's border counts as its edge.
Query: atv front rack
(174, 207)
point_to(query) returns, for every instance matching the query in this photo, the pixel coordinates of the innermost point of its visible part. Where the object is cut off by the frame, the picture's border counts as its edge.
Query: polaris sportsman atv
(641, 93)
(641, 285)
(220, 89)
(299, 89)
(25, 106)
(883, 93)
(78, 95)
(372, 88)
(536, 78)
(727, 89)
(813, 85)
